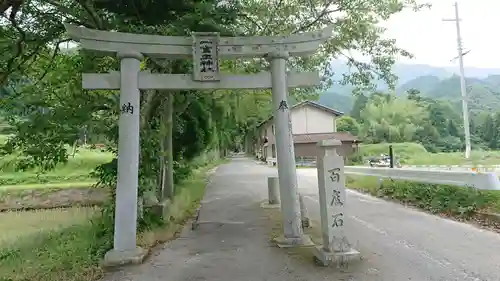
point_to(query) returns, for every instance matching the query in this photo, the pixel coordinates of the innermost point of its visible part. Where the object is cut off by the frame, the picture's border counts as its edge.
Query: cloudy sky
(433, 41)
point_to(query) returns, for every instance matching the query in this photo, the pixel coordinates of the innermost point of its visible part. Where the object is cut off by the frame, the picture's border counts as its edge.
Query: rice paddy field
(32, 189)
(16, 225)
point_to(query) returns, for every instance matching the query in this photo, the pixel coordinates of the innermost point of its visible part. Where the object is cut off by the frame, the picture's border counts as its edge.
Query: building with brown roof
(311, 123)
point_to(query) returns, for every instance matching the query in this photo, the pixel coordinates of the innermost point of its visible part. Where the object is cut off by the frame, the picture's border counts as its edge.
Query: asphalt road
(402, 243)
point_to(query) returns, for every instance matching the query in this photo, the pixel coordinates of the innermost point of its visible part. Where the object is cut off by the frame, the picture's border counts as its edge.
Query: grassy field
(77, 170)
(68, 244)
(416, 154)
(18, 225)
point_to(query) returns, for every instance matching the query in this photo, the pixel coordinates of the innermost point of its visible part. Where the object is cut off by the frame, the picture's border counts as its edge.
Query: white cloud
(433, 41)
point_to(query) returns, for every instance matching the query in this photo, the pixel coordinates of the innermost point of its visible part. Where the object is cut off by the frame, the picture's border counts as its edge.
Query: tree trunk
(168, 190)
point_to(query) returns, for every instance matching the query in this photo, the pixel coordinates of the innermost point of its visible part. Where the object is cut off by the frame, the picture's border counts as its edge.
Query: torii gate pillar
(125, 233)
(287, 174)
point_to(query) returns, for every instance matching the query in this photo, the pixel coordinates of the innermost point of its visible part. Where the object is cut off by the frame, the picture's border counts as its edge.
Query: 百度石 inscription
(336, 199)
(334, 174)
(338, 220)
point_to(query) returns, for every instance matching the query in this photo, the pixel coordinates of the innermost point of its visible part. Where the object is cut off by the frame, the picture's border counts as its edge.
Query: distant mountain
(340, 102)
(408, 72)
(483, 94)
(423, 83)
(431, 81)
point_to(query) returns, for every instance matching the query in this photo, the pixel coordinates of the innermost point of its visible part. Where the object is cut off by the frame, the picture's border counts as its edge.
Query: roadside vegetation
(480, 206)
(410, 153)
(69, 243)
(77, 170)
(452, 201)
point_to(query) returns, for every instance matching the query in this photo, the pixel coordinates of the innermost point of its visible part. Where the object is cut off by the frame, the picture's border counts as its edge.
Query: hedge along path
(480, 206)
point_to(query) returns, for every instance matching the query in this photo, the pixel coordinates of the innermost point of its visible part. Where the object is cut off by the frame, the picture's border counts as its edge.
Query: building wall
(310, 120)
(305, 120)
(266, 131)
(270, 132)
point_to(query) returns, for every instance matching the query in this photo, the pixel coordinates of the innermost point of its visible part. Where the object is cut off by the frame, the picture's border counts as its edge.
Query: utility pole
(463, 87)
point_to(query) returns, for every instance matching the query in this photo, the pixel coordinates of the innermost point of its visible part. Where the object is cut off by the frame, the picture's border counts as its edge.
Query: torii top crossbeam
(301, 44)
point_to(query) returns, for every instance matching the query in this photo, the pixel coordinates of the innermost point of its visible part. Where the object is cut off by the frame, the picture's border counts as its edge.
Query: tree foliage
(436, 124)
(48, 110)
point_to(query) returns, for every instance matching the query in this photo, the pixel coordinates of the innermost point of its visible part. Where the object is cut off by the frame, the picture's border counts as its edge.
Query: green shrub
(445, 199)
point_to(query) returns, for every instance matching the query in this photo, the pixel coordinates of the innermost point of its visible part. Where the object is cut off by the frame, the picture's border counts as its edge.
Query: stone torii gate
(205, 50)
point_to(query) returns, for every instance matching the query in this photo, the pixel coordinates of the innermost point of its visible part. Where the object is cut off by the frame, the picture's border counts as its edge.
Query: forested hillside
(413, 117)
(432, 82)
(426, 109)
(483, 94)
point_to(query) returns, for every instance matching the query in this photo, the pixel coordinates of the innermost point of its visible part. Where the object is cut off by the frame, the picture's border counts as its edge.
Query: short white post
(332, 200)
(273, 190)
(290, 208)
(125, 248)
(304, 215)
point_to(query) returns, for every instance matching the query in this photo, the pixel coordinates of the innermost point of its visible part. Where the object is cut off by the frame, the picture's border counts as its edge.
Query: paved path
(402, 243)
(396, 243)
(234, 243)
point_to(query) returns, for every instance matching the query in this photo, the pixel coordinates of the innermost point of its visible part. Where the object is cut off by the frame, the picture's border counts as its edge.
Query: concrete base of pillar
(326, 258)
(161, 209)
(266, 205)
(285, 242)
(119, 258)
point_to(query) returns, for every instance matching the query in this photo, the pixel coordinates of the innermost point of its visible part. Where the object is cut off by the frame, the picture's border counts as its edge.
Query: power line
(463, 87)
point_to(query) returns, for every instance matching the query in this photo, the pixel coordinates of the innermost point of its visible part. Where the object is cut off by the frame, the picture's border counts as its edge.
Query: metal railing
(299, 161)
(474, 179)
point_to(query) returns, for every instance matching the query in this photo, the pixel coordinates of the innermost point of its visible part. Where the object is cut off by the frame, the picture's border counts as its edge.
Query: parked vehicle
(383, 160)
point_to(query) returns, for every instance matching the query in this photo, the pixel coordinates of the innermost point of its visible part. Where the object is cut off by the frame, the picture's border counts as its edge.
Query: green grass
(3, 138)
(23, 187)
(71, 246)
(416, 154)
(456, 158)
(72, 252)
(39, 221)
(403, 150)
(443, 199)
(77, 169)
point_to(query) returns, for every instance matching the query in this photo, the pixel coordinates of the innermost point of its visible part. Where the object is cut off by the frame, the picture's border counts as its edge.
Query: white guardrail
(487, 181)
(476, 168)
(480, 177)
